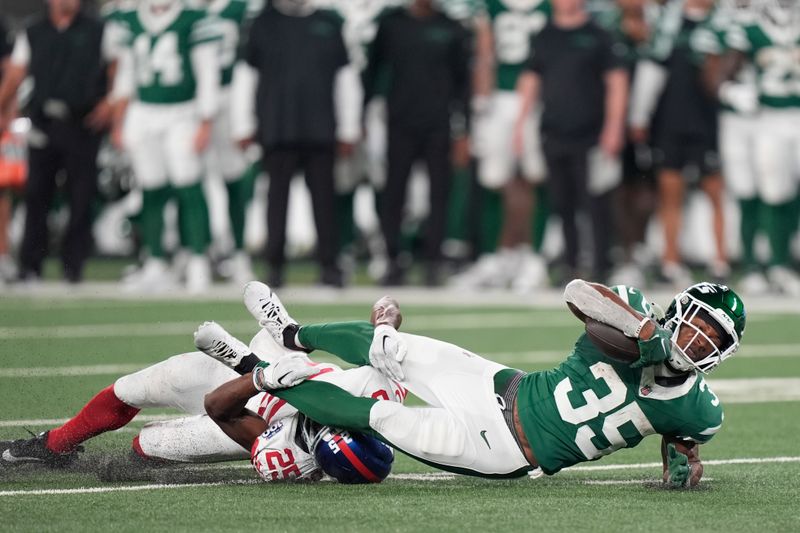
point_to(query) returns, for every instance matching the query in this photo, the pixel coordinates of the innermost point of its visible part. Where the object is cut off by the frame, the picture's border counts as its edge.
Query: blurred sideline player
(629, 23)
(504, 32)
(771, 42)
(670, 106)
(224, 157)
(167, 86)
(283, 447)
(487, 420)
(737, 130)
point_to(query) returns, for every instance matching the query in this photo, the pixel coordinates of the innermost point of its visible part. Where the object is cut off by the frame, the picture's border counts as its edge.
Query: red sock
(104, 412)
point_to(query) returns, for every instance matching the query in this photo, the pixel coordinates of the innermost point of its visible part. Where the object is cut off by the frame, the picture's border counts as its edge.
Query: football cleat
(267, 309)
(34, 450)
(198, 274)
(212, 339)
(784, 280)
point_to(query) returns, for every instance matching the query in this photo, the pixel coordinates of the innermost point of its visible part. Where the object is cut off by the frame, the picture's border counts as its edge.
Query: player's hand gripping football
(387, 351)
(655, 348)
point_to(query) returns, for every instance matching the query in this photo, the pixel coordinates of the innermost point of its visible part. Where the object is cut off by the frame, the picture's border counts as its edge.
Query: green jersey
(591, 405)
(775, 54)
(230, 18)
(161, 48)
(514, 23)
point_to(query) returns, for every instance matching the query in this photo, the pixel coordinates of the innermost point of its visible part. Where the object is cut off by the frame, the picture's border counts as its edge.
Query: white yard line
(420, 323)
(432, 476)
(48, 292)
(46, 422)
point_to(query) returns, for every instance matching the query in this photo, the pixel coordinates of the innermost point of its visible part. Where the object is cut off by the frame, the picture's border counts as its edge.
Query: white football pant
(493, 143)
(464, 427)
(160, 141)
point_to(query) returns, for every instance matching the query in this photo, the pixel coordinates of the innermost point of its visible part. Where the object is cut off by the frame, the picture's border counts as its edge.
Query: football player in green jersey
(170, 75)
(771, 42)
(488, 420)
(224, 157)
(738, 129)
(503, 36)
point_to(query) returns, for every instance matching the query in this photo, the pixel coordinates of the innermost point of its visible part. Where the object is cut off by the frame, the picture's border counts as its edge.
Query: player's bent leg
(192, 439)
(349, 341)
(180, 382)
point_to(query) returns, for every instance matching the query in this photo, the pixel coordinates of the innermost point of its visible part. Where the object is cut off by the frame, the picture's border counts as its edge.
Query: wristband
(258, 376)
(638, 330)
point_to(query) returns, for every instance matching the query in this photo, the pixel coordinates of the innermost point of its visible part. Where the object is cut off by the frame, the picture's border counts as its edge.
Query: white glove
(287, 371)
(387, 351)
(742, 97)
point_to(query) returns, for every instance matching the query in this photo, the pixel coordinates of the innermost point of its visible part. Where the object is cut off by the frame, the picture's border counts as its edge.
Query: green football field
(55, 353)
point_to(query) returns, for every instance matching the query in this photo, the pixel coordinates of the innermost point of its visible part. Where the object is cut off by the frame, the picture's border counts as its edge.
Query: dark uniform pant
(405, 147)
(568, 175)
(71, 148)
(316, 162)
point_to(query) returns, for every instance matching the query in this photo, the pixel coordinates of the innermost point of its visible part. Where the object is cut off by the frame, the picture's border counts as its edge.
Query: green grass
(735, 497)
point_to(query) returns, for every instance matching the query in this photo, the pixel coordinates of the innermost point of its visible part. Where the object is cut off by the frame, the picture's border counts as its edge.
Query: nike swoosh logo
(735, 303)
(483, 436)
(9, 458)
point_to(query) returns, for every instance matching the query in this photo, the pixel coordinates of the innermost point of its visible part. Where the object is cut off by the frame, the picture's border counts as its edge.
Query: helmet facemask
(697, 351)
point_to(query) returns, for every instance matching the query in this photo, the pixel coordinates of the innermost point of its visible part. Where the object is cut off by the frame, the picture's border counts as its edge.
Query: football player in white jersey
(285, 446)
(771, 41)
(737, 129)
(169, 74)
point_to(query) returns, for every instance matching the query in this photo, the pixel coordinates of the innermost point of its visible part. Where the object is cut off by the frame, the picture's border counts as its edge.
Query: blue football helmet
(352, 457)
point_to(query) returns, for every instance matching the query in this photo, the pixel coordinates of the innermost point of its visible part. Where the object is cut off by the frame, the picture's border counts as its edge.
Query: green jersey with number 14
(514, 22)
(591, 405)
(162, 47)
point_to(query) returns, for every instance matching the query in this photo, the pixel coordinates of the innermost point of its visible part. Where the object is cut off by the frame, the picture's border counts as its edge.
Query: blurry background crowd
(508, 144)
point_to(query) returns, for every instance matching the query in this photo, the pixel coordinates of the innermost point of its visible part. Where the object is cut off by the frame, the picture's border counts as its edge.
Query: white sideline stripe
(712, 462)
(124, 488)
(628, 481)
(34, 422)
(418, 324)
(433, 476)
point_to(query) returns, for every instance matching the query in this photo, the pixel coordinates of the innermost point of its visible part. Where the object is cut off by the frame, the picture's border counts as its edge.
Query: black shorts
(637, 164)
(687, 152)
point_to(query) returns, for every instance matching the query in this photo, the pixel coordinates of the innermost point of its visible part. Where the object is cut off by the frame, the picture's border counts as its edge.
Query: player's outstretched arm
(682, 467)
(225, 405)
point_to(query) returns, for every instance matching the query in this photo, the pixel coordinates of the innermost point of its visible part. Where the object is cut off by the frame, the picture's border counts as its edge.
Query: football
(611, 341)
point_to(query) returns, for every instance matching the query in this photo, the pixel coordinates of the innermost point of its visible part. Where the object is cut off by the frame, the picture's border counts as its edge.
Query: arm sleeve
(348, 95)
(374, 62)
(21, 55)
(5, 44)
(243, 101)
(205, 63)
(612, 53)
(648, 83)
(535, 61)
(460, 65)
(601, 308)
(125, 78)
